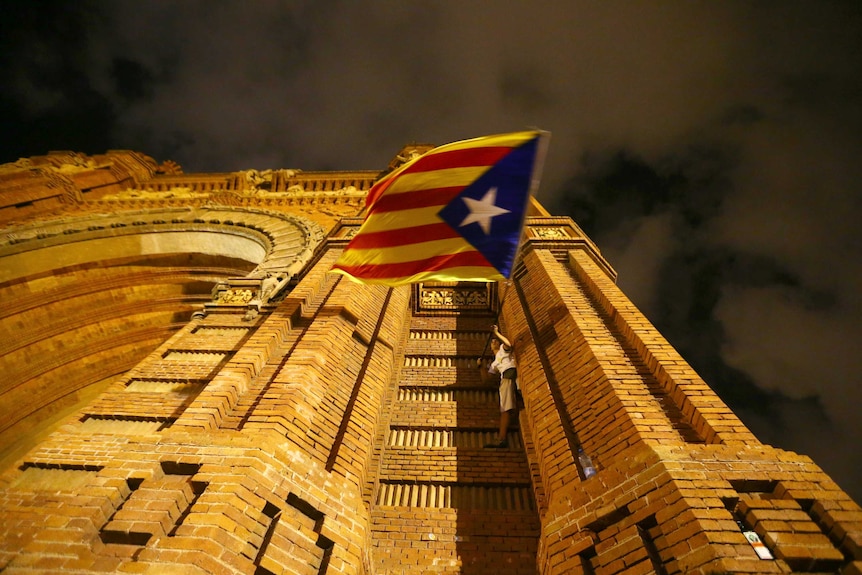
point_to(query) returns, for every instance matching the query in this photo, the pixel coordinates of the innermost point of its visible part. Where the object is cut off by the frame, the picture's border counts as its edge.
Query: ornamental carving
(550, 233)
(18, 165)
(169, 168)
(235, 296)
(255, 180)
(408, 154)
(75, 165)
(452, 297)
(178, 192)
(261, 181)
(58, 181)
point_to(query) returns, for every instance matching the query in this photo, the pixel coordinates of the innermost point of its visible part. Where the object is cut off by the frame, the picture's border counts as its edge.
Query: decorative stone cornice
(343, 192)
(289, 240)
(559, 235)
(457, 298)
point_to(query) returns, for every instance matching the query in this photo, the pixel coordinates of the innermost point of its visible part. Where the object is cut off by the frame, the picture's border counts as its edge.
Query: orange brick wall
(677, 470)
(340, 428)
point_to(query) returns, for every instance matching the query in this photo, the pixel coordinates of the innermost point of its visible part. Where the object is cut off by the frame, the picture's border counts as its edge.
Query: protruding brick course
(322, 426)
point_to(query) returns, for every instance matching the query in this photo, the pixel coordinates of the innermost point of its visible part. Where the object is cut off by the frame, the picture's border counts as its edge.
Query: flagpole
(496, 319)
(541, 153)
(536, 176)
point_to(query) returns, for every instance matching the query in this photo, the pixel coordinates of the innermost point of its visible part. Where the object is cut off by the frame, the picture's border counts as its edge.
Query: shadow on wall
(78, 314)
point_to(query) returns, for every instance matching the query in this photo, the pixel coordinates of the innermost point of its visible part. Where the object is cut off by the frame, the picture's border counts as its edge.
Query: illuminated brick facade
(218, 403)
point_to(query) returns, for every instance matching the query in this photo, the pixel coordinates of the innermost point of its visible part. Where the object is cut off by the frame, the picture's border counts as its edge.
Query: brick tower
(186, 389)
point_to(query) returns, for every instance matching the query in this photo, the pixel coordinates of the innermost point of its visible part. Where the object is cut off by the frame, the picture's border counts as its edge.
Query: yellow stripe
(476, 274)
(469, 274)
(512, 139)
(436, 179)
(402, 219)
(406, 253)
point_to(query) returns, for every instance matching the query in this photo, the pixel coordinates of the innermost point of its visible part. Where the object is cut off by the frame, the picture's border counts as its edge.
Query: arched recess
(84, 299)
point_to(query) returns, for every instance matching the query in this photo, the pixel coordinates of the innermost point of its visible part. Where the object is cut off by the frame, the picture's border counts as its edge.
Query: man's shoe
(500, 444)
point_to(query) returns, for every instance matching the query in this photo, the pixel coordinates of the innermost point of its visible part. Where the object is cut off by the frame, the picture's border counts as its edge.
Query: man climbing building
(503, 364)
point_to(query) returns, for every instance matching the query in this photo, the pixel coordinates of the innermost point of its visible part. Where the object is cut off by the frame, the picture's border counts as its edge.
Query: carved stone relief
(449, 298)
(546, 233)
(179, 192)
(235, 296)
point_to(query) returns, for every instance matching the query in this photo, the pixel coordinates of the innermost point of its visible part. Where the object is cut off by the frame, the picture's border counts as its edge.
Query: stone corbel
(249, 293)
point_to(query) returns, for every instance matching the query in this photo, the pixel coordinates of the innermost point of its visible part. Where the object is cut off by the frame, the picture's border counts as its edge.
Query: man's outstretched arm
(496, 331)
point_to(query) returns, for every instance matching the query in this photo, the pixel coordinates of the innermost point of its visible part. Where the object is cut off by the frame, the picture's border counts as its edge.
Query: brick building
(187, 390)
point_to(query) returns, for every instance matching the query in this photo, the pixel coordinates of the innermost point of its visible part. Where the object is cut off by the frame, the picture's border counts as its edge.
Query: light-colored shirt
(503, 360)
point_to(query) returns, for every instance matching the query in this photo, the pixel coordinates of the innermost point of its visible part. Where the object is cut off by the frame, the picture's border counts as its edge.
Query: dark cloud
(132, 80)
(47, 94)
(711, 149)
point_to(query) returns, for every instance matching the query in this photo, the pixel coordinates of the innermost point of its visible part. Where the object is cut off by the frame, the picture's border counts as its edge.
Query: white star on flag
(481, 211)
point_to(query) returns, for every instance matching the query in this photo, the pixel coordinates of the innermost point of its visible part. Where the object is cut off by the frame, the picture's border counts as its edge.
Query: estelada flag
(453, 214)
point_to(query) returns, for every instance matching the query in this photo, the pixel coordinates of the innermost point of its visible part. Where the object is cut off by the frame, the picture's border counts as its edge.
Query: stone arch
(84, 298)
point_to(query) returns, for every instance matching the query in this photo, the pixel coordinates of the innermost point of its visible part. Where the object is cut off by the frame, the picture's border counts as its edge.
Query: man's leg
(507, 407)
(505, 417)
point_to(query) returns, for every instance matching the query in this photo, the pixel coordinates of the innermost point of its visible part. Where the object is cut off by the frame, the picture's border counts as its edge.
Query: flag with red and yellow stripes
(452, 214)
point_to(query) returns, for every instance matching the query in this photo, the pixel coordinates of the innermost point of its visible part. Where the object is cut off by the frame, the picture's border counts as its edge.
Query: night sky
(713, 150)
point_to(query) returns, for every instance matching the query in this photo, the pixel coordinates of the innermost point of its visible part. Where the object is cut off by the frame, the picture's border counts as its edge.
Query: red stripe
(413, 200)
(468, 158)
(403, 237)
(406, 269)
(376, 191)
(471, 157)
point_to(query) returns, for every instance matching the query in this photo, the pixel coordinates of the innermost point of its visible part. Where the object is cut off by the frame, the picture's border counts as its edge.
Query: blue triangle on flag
(512, 177)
